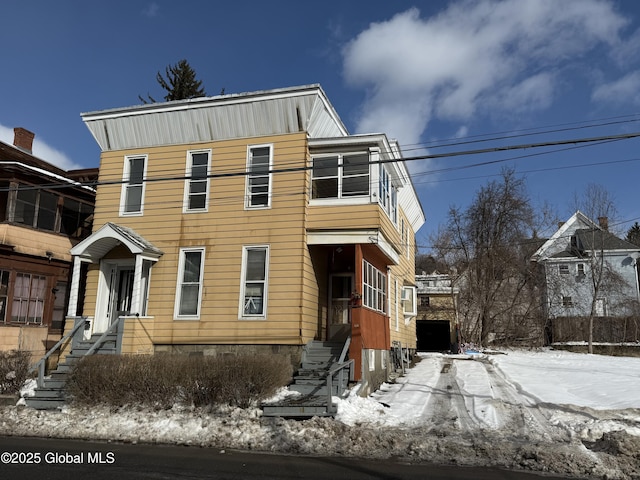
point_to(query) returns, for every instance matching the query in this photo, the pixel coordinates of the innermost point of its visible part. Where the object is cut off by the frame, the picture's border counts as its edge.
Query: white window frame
(563, 269)
(580, 269)
(248, 193)
(340, 198)
(387, 194)
(126, 175)
(409, 301)
(374, 288)
(180, 282)
(244, 281)
(189, 181)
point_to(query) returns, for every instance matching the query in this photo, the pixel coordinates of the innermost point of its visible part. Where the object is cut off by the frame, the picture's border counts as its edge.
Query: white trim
(243, 283)
(352, 237)
(125, 182)
(247, 193)
(188, 179)
(409, 294)
(48, 174)
(179, 281)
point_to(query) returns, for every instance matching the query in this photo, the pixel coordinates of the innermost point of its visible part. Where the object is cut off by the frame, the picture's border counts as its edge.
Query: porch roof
(109, 236)
(350, 237)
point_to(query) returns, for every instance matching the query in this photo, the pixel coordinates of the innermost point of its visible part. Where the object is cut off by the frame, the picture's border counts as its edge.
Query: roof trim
(110, 235)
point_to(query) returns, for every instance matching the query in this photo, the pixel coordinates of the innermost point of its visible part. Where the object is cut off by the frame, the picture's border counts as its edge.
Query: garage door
(433, 335)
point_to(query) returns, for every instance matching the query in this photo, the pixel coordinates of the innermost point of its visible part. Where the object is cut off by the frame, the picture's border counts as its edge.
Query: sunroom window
(340, 176)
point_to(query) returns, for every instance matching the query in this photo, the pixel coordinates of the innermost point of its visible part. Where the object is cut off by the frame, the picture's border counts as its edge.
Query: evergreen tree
(633, 235)
(180, 83)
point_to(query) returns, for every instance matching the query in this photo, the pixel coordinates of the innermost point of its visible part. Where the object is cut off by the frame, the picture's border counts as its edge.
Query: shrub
(163, 380)
(14, 370)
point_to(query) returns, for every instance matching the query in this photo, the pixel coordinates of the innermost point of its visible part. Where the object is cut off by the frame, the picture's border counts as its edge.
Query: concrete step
(307, 407)
(316, 390)
(44, 403)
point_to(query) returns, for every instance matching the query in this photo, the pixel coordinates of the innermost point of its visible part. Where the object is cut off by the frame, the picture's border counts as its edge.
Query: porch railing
(76, 332)
(339, 370)
(113, 327)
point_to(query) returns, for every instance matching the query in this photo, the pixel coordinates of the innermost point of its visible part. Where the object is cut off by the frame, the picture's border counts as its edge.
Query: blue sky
(426, 73)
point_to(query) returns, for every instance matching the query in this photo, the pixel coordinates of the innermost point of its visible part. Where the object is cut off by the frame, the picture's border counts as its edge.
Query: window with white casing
(189, 288)
(259, 165)
(374, 285)
(388, 194)
(563, 269)
(409, 301)
(340, 176)
(196, 188)
(132, 195)
(253, 296)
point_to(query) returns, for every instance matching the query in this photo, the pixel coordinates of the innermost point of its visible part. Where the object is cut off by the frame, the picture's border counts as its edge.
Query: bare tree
(595, 202)
(485, 244)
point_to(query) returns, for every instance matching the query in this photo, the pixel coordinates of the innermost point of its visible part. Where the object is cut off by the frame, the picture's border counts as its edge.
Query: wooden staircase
(323, 374)
(50, 393)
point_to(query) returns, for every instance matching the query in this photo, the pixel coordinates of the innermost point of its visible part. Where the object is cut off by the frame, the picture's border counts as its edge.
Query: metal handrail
(40, 365)
(103, 337)
(338, 368)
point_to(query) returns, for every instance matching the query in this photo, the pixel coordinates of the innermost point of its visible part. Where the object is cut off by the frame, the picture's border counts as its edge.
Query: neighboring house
(437, 321)
(44, 212)
(249, 223)
(588, 272)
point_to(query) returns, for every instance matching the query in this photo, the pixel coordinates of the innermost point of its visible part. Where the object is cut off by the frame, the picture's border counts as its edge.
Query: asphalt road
(54, 459)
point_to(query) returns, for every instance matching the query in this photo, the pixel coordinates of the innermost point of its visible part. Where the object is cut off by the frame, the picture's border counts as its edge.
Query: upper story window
(132, 195)
(563, 269)
(340, 176)
(258, 189)
(34, 207)
(196, 189)
(189, 290)
(388, 197)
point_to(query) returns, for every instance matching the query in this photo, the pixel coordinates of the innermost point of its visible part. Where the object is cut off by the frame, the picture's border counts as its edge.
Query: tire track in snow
(446, 406)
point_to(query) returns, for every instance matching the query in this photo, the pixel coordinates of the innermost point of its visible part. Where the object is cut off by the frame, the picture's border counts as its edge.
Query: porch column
(355, 350)
(75, 286)
(135, 294)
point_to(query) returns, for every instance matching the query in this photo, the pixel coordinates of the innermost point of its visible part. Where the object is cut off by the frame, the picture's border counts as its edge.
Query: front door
(340, 289)
(117, 294)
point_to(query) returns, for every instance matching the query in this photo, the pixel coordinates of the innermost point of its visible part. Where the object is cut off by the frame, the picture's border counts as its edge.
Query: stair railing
(340, 370)
(103, 337)
(40, 366)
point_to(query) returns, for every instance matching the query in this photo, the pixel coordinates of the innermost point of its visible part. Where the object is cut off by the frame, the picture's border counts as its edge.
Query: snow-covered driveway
(545, 411)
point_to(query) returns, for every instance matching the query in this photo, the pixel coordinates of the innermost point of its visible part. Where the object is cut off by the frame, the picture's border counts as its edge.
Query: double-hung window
(189, 288)
(132, 196)
(259, 161)
(388, 195)
(374, 288)
(340, 176)
(196, 188)
(409, 301)
(28, 298)
(253, 296)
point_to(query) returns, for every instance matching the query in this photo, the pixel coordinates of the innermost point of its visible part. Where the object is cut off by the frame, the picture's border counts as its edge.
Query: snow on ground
(548, 411)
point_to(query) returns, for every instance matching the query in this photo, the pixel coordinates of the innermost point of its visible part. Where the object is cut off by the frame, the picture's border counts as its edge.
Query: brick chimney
(23, 139)
(604, 223)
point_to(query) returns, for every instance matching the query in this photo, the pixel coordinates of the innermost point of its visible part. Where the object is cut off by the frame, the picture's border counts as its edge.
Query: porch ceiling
(110, 235)
(352, 237)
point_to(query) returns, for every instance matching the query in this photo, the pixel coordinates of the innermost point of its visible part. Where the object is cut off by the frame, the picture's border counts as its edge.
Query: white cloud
(42, 150)
(151, 10)
(625, 90)
(476, 54)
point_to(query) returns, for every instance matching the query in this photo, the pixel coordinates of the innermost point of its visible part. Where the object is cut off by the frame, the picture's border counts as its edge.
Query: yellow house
(248, 223)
